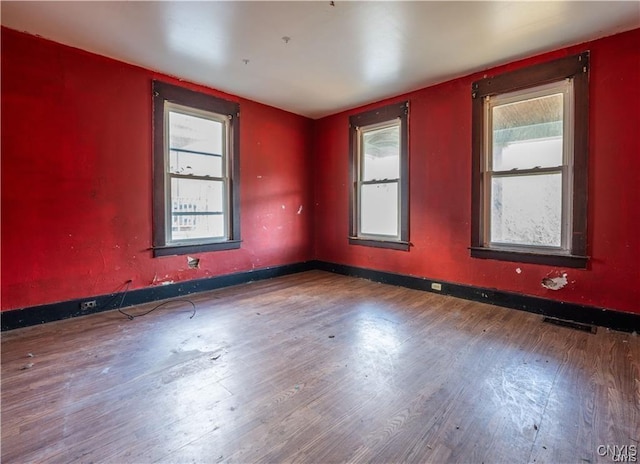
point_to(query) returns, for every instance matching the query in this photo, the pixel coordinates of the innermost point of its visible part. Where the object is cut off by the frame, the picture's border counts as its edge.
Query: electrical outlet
(436, 286)
(85, 305)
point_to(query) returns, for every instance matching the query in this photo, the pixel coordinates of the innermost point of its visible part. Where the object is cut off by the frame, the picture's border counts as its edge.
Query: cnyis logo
(619, 453)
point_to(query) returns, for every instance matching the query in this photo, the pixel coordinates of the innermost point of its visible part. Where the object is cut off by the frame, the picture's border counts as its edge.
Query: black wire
(122, 301)
(115, 295)
(132, 317)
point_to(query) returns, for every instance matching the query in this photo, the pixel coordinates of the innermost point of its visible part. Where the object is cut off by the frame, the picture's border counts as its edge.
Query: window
(379, 203)
(530, 164)
(196, 197)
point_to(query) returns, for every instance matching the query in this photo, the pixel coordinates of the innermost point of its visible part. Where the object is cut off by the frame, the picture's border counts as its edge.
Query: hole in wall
(193, 263)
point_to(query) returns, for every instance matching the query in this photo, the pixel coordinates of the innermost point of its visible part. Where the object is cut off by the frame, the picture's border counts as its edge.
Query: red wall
(440, 188)
(76, 183)
(76, 179)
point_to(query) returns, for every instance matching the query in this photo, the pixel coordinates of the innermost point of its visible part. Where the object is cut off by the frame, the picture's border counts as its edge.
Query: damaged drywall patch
(555, 283)
(300, 210)
(193, 263)
(161, 281)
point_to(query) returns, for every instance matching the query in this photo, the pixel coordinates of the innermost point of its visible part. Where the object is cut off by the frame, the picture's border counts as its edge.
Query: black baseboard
(24, 317)
(627, 322)
(617, 320)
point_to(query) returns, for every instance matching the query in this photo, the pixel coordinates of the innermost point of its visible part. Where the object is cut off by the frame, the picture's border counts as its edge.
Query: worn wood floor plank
(317, 367)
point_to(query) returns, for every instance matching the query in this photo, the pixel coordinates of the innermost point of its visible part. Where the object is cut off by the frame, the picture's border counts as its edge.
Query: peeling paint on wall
(193, 263)
(161, 281)
(518, 270)
(555, 283)
(300, 210)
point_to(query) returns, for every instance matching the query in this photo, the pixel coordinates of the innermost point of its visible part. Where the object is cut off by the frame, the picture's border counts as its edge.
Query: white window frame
(169, 214)
(565, 87)
(361, 131)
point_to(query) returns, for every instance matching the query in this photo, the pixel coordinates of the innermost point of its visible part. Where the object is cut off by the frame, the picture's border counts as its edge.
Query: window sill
(578, 262)
(393, 245)
(184, 249)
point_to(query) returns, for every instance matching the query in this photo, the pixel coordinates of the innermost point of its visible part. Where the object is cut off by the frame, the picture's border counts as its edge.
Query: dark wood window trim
(164, 92)
(380, 115)
(392, 245)
(577, 68)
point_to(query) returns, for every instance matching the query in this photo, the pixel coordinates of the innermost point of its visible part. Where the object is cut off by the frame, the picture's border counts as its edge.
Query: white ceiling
(338, 57)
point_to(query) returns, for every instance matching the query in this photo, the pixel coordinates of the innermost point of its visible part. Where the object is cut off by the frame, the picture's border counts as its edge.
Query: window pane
(191, 195)
(189, 227)
(198, 165)
(379, 209)
(195, 134)
(528, 133)
(380, 154)
(527, 210)
(197, 196)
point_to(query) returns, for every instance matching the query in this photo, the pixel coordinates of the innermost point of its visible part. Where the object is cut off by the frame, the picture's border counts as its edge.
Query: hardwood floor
(316, 367)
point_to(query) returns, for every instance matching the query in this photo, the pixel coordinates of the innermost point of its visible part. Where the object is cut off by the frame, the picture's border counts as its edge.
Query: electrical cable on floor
(132, 317)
